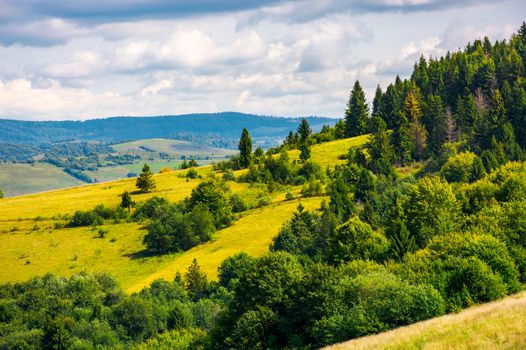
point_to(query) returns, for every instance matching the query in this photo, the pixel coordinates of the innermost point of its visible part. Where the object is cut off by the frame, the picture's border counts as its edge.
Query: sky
(90, 59)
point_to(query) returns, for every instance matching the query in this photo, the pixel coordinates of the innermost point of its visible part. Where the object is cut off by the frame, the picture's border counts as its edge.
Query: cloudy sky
(62, 59)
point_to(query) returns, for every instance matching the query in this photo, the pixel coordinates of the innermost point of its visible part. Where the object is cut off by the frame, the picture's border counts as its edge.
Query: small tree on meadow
(304, 152)
(145, 182)
(245, 149)
(126, 201)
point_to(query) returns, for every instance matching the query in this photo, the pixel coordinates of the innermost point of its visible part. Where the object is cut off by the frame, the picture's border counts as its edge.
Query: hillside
(33, 244)
(496, 325)
(21, 178)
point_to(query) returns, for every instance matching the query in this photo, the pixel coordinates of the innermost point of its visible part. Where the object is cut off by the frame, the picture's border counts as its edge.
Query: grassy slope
(497, 325)
(172, 147)
(16, 179)
(31, 245)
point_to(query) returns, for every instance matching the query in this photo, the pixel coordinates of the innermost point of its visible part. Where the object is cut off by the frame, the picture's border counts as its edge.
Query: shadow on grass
(141, 254)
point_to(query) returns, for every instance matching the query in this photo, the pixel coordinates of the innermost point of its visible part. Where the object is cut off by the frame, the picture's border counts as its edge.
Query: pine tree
(196, 281)
(402, 242)
(438, 126)
(245, 149)
(517, 113)
(380, 148)
(341, 198)
(126, 201)
(413, 114)
(304, 130)
(391, 105)
(289, 140)
(403, 140)
(304, 152)
(357, 113)
(145, 182)
(378, 103)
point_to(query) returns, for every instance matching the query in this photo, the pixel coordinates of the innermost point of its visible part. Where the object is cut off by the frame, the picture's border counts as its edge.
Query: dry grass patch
(497, 325)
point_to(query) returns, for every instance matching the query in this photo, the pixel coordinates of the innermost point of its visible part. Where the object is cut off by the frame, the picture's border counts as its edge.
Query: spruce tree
(245, 149)
(304, 152)
(403, 140)
(436, 116)
(380, 148)
(304, 130)
(145, 182)
(357, 113)
(402, 242)
(378, 103)
(391, 106)
(196, 281)
(126, 201)
(413, 114)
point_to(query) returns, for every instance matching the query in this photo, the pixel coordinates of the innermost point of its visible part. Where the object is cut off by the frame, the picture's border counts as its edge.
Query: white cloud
(83, 64)
(290, 58)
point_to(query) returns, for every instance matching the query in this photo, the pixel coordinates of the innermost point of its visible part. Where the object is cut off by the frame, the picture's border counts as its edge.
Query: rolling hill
(35, 242)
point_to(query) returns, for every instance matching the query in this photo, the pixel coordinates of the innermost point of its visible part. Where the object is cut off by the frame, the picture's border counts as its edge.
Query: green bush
(355, 239)
(459, 168)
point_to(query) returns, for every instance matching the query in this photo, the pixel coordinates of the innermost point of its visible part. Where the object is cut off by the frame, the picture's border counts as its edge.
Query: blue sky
(89, 59)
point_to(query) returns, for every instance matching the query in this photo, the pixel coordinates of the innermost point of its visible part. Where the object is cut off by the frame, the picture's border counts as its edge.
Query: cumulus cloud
(296, 57)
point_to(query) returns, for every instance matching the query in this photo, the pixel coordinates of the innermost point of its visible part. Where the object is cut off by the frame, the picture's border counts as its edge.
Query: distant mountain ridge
(264, 129)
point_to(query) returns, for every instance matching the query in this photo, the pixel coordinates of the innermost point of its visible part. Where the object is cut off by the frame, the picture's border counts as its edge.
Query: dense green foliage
(92, 312)
(181, 226)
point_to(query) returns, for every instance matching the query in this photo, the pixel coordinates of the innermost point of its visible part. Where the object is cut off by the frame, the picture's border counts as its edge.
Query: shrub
(152, 207)
(238, 204)
(228, 175)
(356, 240)
(459, 168)
(192, 174)
(312, 189)
(431, 209)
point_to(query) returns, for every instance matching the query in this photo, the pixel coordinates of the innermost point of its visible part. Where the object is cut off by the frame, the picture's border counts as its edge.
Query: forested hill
(117, 129)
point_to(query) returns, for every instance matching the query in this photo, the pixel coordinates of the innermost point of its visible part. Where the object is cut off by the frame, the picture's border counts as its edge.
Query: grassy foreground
(497, 325)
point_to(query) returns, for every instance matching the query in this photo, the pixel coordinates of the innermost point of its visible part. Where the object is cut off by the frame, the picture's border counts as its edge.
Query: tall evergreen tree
(145, 182)
(413, 113)
(245, 149)
(380, 148)
(378, 103)
(403, 140)
(304, 152)
(196, 280)
(391, 104)
(304, 130)
(436, 116)
(357, 113)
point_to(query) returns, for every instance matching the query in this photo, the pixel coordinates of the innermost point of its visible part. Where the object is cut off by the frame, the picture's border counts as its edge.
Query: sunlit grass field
(497, 325)
(332, 153)
(32, 242)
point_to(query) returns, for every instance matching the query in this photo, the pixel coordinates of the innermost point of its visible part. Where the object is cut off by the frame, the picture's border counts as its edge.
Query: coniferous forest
(383, 250)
